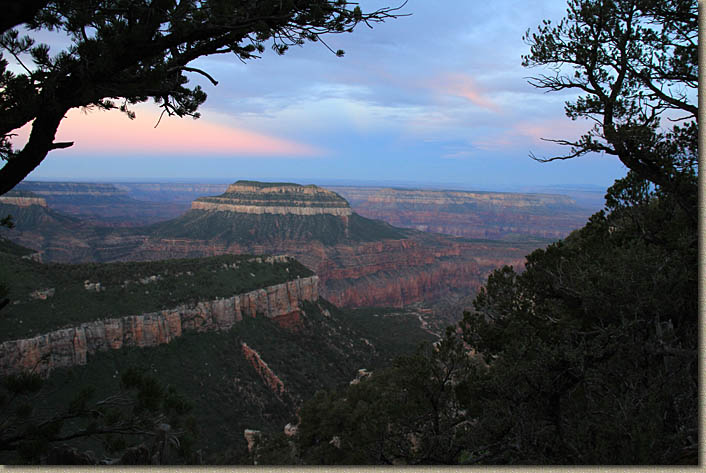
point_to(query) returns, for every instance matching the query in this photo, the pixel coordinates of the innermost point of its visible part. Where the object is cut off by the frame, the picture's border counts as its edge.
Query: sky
(438, 97)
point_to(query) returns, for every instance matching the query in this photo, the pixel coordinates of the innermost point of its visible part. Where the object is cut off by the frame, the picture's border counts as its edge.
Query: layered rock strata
(21, 201)
(280, 199)
(393, 272)
(71, 346)
(492, 215)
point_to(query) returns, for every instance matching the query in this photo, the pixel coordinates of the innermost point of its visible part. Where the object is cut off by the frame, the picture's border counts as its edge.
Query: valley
(247, 332)
(488, 215)
(246, 303)
(360, 261)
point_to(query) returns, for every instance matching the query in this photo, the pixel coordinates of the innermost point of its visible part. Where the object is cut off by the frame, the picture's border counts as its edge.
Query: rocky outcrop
(259, 198)
(224, 206)
(252, 437)
(263, 370)
(358, 195)
(71, 346)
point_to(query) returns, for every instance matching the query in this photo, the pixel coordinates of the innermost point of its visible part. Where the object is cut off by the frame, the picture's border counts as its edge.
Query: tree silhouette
(125, 52)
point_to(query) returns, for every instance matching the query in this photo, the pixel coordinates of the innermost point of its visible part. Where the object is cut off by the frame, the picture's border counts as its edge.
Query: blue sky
(438, 97)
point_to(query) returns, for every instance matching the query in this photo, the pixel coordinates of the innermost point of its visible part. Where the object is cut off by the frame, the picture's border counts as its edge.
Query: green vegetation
(139, 421)
(391, 330)
(590, 355)
(224, 392)
(10, 248)
(178, 281)
(252, 229)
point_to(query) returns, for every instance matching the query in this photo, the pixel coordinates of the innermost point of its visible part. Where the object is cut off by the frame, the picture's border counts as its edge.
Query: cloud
(461, 85)
(100, 132)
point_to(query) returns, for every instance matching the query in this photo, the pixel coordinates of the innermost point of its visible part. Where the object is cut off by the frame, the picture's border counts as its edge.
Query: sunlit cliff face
(259, 198)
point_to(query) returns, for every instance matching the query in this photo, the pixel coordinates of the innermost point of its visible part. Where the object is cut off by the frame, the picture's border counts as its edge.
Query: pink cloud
(101, 132)
(464, 86)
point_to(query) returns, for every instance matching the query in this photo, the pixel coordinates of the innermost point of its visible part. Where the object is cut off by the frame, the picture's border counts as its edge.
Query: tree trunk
(41, 141)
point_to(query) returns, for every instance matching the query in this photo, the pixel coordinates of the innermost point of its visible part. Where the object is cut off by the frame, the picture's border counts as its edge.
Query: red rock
(271, 380)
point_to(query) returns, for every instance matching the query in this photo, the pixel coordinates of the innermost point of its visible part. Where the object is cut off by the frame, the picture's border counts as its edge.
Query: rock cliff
(22, 199)
(390, 272)
(263, 370)
(170, 191)
(250, 197)
(71, 346)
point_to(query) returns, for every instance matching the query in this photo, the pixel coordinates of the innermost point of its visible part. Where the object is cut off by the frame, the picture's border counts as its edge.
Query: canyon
(241, 361)
(489, 215)
(360, 261)
(101, 203)
(471, 214)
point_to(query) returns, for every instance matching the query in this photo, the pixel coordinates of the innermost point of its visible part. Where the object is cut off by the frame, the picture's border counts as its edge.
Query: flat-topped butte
(250, 197)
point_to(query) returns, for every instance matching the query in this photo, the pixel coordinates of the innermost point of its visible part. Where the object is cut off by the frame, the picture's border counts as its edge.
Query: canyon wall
(22, 201)
(492, 215)
(71, 346)
(102, 204)
(68, 190)
(387, 272)
(270, 209)
(170, 191)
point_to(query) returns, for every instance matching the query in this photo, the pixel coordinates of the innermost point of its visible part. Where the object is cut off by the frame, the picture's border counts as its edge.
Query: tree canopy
(590, 354)
(141, 422)
(125, 52)
(635, 64)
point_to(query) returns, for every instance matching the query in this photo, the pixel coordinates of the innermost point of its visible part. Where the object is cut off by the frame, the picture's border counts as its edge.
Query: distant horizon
(438, 98)
(416, 184)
